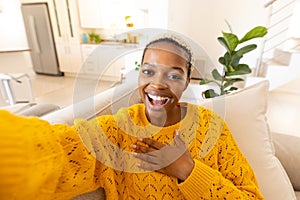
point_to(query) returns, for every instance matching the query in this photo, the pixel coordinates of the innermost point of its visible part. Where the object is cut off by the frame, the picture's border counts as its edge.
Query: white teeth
(157, 98)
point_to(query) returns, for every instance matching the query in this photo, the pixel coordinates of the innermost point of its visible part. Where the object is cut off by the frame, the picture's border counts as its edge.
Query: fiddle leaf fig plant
(232, 68)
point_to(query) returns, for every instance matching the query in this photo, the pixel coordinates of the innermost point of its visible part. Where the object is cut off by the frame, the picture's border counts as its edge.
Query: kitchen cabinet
(69, 55)
(111, 13)
(90, 13)
(107, 62)
(67, 40)
(102, 61)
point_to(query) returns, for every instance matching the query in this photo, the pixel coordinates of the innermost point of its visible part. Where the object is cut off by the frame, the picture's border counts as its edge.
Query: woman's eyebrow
(178, 69)
(149, 64)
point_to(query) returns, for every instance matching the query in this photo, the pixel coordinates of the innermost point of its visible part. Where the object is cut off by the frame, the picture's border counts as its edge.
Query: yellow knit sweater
(43, 161)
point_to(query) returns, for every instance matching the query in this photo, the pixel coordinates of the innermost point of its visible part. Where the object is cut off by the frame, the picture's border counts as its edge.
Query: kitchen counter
(108, 59)
(113, 43)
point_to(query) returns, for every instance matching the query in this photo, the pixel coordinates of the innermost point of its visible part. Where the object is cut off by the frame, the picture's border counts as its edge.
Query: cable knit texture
(42, 161)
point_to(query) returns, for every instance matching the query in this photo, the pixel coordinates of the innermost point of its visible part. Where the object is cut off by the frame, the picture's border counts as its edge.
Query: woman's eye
(174, 77)
(147, 72)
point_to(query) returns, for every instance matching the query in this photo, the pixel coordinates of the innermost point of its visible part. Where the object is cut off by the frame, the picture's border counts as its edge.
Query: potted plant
(94, 38)
(233, 70)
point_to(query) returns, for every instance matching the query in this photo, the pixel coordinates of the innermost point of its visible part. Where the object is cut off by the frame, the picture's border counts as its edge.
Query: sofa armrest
(287, 151)
(31, 109)
(39, 110)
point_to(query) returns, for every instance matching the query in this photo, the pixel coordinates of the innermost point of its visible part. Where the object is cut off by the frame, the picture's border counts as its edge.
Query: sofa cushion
(244, 111)
(287, 150)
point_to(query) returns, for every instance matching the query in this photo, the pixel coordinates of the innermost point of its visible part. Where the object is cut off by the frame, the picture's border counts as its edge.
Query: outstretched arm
(42, 161)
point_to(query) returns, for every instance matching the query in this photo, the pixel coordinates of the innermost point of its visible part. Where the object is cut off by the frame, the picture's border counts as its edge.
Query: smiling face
(163, 78)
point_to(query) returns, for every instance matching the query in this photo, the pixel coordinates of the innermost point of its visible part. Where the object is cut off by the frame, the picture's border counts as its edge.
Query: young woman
(160, 149)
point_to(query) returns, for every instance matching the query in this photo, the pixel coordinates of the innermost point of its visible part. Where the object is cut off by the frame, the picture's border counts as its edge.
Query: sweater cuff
(198, 181)
(31, 158)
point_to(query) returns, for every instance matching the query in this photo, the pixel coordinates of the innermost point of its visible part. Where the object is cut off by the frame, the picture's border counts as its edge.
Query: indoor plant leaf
(230, 90)
(229, 82)
(244, 50)
(224, 43)
(206, 81)
(210, 93)
(232, 68)
(237, 55)
(222, 60)
(235, 59)
(229, 68)
(256, 32)
(241, 69)
(233, 88)
(216, 75)
(231, 40)
(225, 60)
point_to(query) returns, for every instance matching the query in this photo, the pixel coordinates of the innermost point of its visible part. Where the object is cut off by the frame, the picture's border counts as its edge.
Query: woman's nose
(159, 82)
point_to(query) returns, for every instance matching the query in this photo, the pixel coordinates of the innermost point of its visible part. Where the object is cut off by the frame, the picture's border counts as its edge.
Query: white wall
(13, 37)
(12, 26)
(204, 20)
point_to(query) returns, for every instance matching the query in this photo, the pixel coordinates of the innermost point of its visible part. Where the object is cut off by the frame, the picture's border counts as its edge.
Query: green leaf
(235, 60)
(237, 55)
(230, 90)
(241, 69)
(230, 68)
(231, 40)
(227, 58)
(230, 82)
(256, 32)
(224, 43)
(216, 75)
(245, 50)
(205, 81)
(233, 88)
(210, 93)
(222, 60)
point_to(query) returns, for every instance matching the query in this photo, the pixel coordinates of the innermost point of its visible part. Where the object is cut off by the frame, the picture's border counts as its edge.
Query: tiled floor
(63, 90)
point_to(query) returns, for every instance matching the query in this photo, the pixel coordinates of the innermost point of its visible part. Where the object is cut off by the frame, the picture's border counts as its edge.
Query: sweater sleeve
(42, 161)
(229, 176)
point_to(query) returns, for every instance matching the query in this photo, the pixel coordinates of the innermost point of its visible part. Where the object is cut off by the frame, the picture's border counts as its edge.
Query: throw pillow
(244, 111)
(287, 151)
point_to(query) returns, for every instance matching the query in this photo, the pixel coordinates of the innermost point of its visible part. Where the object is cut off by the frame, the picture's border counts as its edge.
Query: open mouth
(158, 100)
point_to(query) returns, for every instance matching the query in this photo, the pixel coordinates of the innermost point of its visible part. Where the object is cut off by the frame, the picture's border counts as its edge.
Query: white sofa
(244, 111)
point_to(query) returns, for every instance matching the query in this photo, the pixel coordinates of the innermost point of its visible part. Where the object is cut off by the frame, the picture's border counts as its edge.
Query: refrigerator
(40, 38)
